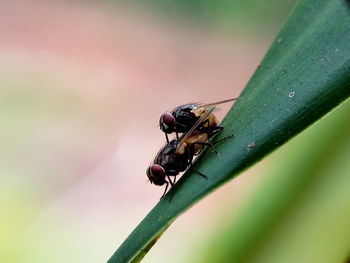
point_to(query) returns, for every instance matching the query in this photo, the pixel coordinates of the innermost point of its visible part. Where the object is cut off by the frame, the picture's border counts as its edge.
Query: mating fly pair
(194, 124)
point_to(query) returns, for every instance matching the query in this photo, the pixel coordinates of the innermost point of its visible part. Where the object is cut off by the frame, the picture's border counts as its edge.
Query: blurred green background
(82, 86)
(251, 17)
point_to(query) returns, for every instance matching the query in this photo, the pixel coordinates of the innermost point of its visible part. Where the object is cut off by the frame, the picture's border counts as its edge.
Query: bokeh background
(82, 86)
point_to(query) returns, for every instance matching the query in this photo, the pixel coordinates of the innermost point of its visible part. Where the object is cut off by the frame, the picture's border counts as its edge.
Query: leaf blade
(304, 75)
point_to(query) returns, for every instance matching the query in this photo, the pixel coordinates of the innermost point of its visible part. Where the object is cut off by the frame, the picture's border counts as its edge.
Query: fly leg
(172, 183)
(176, 132)
(198, 172)
(166, 188)
(216, 129)
(224, 139)
(177, 135)
(211, 130)
(190, 153)
(167, 185)
(172, 173)
(209, 143)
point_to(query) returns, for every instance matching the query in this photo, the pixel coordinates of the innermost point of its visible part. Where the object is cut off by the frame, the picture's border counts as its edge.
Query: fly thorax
(181, 148)
(198, 111)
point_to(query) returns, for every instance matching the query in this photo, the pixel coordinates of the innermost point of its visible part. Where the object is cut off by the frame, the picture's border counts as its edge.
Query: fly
(177, 155)
(184, 117)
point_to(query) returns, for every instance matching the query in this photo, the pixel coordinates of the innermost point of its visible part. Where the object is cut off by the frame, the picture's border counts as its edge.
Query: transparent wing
(217, 102)
(197, 123)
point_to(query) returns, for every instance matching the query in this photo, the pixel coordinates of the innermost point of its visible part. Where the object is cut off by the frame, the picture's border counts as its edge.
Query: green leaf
(301, 207)
(305, 74)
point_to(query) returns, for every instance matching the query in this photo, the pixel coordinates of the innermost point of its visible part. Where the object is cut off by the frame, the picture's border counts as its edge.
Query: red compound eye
(167, 120)
(157, 171)
(156, 174)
